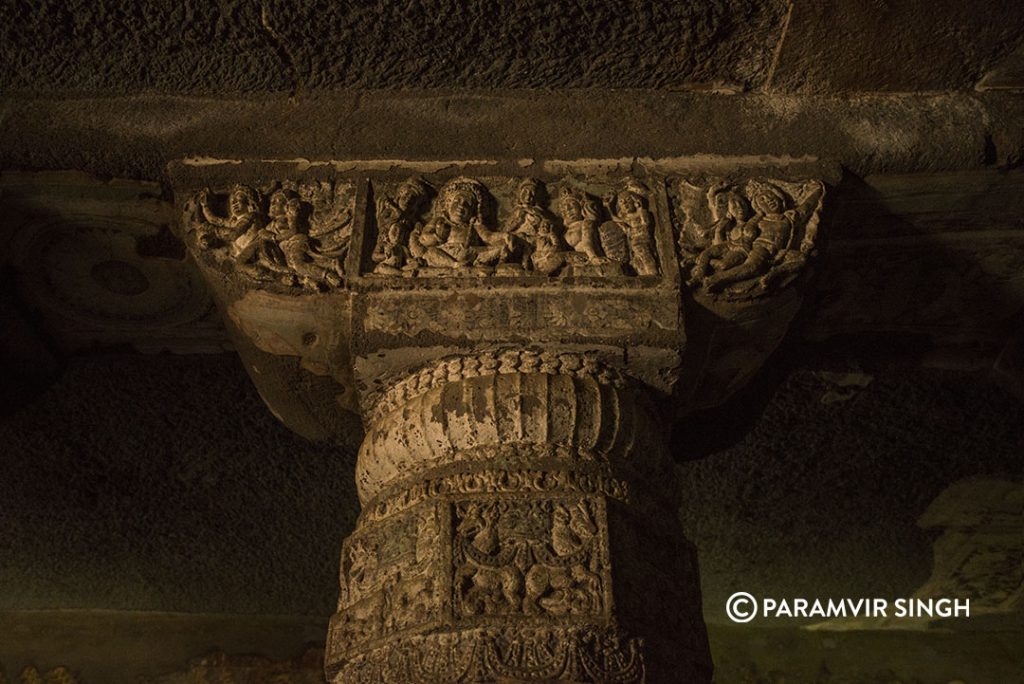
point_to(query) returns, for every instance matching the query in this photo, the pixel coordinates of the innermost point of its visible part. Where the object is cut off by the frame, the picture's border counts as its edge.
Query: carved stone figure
(486, 582)
(729, 210)
(330, 223)
(301, 240)
(243, 216)
(628, 237)
(581, 214)
(541, 249)
(746, 240)
(397, 217)
(563, 584)
(456, 235)
(301, 258)
(254, 250)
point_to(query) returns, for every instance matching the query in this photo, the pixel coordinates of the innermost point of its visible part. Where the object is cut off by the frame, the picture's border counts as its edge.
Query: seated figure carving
(729, 240)
(456, 235)
(537, 241)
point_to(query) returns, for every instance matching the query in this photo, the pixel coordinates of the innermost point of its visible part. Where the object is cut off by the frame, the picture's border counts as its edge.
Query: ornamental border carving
(497, 360)
(586, 654)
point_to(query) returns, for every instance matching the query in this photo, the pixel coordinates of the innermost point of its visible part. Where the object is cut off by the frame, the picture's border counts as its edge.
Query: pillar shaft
(517, 527)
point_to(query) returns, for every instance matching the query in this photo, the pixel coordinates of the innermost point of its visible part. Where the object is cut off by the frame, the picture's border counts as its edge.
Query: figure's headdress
(756, 189)
(460, 186)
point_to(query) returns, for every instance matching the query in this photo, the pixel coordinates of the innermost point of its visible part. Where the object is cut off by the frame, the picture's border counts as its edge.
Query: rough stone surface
(135, 137)
(279, 46)
(920, 45)
(163, 483)
(276, 45)
(821, 496)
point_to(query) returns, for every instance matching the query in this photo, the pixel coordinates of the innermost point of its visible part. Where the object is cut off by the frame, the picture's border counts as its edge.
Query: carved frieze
(589, 654)
(745, 239)
(737, 239)
(298, 234)
(294, 234)
(510, 227)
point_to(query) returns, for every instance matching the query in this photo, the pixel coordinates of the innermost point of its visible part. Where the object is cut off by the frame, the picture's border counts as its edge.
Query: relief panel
(513, 227)
(530, 556)
(292, 234)
(745, 239)
(390, 578)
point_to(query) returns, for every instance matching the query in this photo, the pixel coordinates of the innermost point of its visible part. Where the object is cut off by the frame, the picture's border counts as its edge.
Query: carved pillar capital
(517, 341)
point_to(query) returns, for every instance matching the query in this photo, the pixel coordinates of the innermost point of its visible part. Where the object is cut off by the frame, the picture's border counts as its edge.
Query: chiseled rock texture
(234, 46)
(274, 45)
(894, 45)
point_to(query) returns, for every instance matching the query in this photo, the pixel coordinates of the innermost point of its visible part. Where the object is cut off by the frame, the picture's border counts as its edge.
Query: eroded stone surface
(272, 45)
(894, 46)
(980, 555)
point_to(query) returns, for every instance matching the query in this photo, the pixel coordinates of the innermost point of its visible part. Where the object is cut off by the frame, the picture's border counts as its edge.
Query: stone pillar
(519, 525)
(517, 342)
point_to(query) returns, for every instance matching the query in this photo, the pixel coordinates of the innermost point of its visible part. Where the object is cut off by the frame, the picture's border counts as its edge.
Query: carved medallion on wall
(99, 261)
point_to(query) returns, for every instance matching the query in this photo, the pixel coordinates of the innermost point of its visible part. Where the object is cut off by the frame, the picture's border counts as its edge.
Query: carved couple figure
(285, 244)
(760, 239)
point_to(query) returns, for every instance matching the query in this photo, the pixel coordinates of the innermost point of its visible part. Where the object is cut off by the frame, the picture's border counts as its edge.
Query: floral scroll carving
(465, 229)
(742, 240)
(297, 235)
